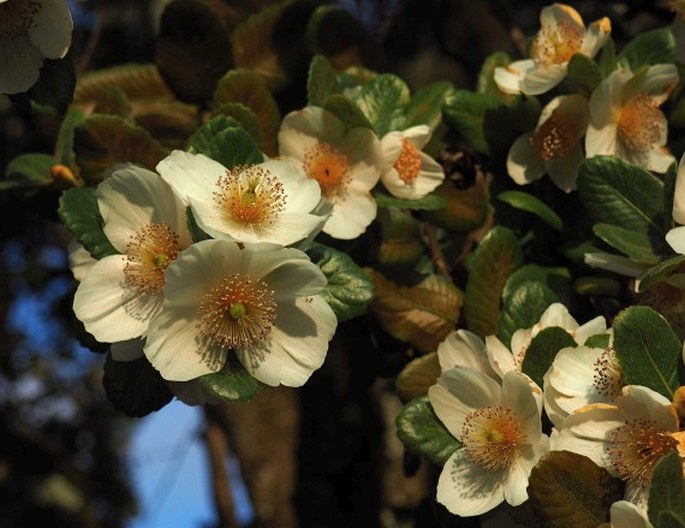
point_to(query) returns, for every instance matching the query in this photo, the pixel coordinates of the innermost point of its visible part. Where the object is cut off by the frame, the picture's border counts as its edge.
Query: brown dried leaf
(417, 376)
(422, 315)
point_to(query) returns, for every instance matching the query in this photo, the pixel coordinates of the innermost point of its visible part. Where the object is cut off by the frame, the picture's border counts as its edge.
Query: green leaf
(345, 110)
(669, 192)
(647, 349)
(421, 432)
(498, 255)
(383, 101)
(465, 209)
(659, 272)
(54, 90)
(567, 489)
(112, 101)
(64, 146)
(619, 193)
(417, 376)
(232, 382)
(667, 493)
(429, 202)
(637, 246)
(223, 140)
(422, 314)
(486, 82)
(607, 58)
(244, 116)
(425, 106)
(401, 242)
(583, 71)
(528, 202)
(102, 141)
(196, 232)
(603, 286)
(504, 124)
(321, 82)
(556, 279)
(78, 210)
(542, 351)
(523, 308)
(650, 47)
(349, 289)
(28, 171)
(339, 35)
(465, 111)
(598, 341)
(247, 88)
(134, 387)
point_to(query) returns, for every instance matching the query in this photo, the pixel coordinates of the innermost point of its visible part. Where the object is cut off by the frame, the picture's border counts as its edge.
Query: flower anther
(151, 249)
(641, 124)
(408, 165)
(556, 44)
(328, 166)
(491, 437)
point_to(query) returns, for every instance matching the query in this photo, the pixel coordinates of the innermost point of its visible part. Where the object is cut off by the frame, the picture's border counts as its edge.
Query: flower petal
(541, 80)
(20, 62)
(508, 78)
(462, 348)
(351, 215)
(51, 29)
(190, 175)
(676, 239)
(524, 165)
(129, 350)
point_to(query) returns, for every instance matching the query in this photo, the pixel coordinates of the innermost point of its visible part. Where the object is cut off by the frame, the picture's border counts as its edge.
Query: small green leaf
(135, 387)
(28, 171)
(223, 140)
(603, 286)
(64, 146)
(667, 493)
(637, 246)
(383, 101)
(659, 272)
(598, 341)
(232, 382)
(584, 72)
(54, 90)
(112, 101)
(196, 233)
(607, 58)
(321, 82)
(650, 47)
(465, 111)
(345, 110)
(425, 106)
(417, 376)
(556, 279)
(619, 193)
(421, 432)
(244, 116)
(504, 124)
(647, 349)
(523, 308)
(429, 202)
(528, 202)
(542, 351)
(349, 289)
(567, 489)
(498, 255)
(78, 210)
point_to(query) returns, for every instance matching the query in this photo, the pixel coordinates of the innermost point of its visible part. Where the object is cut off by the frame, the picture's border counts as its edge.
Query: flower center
(328, 166)
(237, 312)
(491, 436)
(556, 44)
(148, 254)
(250, 196)
(641, 124)
(16, 18)
(408, 164)
(555, 137)
(608, 378)
(634, 449)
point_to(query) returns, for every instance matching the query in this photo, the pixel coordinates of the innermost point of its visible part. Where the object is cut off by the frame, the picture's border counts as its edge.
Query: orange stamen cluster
(556, 44)
(237, 312)
(328, 166)
(408, 164)
(555, 137)
(149, 252)
(636, 447)
(491, 437)
(250, 196)
(641, 124)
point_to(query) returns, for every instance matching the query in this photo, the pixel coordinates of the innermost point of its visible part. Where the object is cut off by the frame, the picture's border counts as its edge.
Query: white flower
(347, 164)
(676, 236)
(562, 34)
(627, 437)
(554, 146)
(408, 172)
(580, 376)
(269, 202)
(463, 348)
(504, 360)
(31, 31)
(260, 303)
(624, 514)
(80, 260)
(625, 119)
(501, 433)
(147, 224)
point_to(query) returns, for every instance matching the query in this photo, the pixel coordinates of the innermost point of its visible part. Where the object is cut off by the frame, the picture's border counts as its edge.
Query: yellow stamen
(408, 164)
(150, 251)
